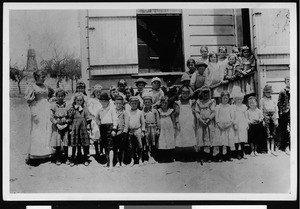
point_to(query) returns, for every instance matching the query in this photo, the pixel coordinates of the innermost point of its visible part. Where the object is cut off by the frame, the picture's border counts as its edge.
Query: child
(60, 120)
(79, 135)
(156, 91)
(140, 84)
(205, 125)
(203, 53)
(121, 87)
(222, 54)
(185, 81)
(232, 68)
(120, 141)
(256, 129)
(170, 90)
(224, 137)
(270, 112)
(284, 115)
(190, 63)
(247, 60)
(235, 50)
(113, 92)
(166, 141)
(199, 78)
(214, 71)
(185, 139)
(152, 127)
(93, 107)
(136, 129)
(128, 94)
(240, 123)
(107, 120)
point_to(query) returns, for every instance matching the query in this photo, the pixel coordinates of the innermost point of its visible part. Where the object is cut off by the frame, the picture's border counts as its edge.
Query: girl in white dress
(185, 138)
(240, 124)
(224, 137)
(166, 141)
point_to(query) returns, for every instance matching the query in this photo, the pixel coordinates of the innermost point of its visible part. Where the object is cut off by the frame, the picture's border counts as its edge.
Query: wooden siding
(210, 27)
(271, 40)
(113, 70)
(271, 31)
(113, 41)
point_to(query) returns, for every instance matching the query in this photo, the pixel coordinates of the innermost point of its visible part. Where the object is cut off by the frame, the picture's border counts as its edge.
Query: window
(160, 43)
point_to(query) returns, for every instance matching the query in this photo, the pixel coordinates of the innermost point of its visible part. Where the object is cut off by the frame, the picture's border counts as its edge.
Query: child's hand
(113, 133)
(157, 131)
(276, 123)
(143, 134)
(264, 124)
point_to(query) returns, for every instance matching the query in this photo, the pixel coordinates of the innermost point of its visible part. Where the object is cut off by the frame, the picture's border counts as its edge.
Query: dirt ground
(262, 174)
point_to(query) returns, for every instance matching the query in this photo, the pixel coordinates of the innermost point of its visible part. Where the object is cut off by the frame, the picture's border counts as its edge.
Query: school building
(145, 43)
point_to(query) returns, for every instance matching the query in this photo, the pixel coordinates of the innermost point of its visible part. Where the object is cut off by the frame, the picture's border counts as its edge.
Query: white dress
(167, 133)
(240, 123)
(94, 106)
(185, 137)
(41, 126)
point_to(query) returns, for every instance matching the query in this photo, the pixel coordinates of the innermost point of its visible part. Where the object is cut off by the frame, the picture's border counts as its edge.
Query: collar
(78, 107)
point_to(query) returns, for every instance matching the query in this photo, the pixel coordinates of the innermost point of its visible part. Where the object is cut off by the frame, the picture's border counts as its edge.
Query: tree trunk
(57, 83)
(72, 85)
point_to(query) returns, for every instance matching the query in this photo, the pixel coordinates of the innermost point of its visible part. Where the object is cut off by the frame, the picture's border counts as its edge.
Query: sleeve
(217, 113)
(126, 118)
(97, 117)
(276, 111)
(280, 102)
(197, 110)
(142, 121)
(157, 118)
(52, 112)
(193, 80)
(50, 92)
(114, 118)
(261, 115)
(30, 94)
(213, 110)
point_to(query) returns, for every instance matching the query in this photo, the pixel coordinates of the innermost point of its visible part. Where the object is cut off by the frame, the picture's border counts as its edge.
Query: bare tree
(17, 75)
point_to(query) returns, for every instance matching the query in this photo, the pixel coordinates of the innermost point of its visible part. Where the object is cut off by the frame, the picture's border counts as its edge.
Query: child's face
(119, 104)
(156, 84)
(235, 51)
(79, 101)
(134, 105)
(213, 58)
(287, 82)
(128, 94)
(164, 104)
(225, 99)
(97, 93)
(205, 95)
(252, 104)
(191, 66)
(238, 100)
(186, 83)
(185, 95)
(121, 87)
(203, 52)
(80, 89)
(201, 69)
(268, 94)
(246, 53)
(231, 60)
(104, 103)
(169, 82)
(140, 86)
(222, 53)
(114, 93)
(60, 97)
(147, 103)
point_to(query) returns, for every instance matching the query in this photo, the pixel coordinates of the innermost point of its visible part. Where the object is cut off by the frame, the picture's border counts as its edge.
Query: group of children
(166, 121)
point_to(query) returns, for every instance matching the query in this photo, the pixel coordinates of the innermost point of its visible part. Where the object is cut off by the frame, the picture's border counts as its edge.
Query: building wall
(271, 41)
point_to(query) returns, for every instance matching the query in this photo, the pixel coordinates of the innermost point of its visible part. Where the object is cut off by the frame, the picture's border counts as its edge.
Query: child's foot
(86, 163)
(140, 162)
(151, 160)
(123, 164)
(72, 164)
(132, 163)
(67, 162)
(273, 153)
(58, 162)
(117, 165)
(239, 157)
(255, 153)
(252, 154)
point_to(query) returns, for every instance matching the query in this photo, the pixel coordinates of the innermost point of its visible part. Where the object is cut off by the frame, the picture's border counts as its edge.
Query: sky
(44, 30)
